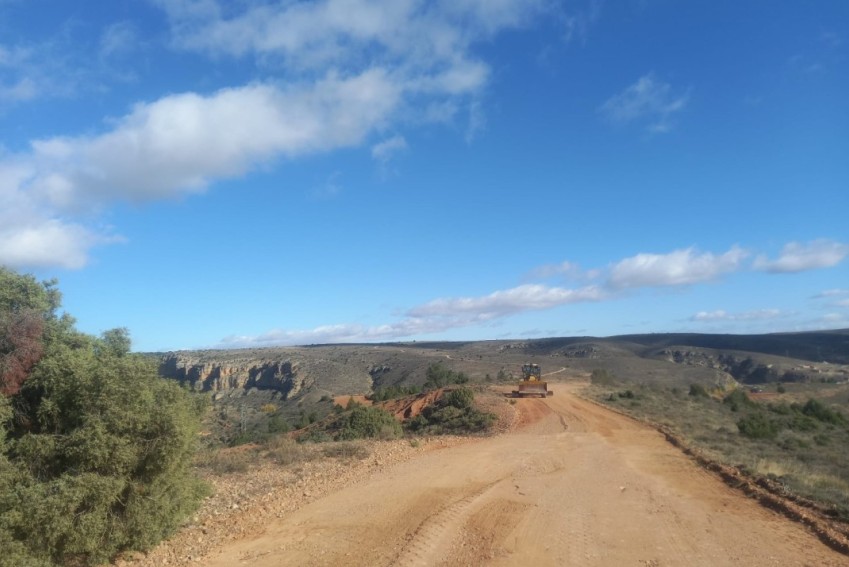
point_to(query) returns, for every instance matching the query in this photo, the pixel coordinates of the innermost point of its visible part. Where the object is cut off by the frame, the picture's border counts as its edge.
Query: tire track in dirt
(434, 535)
(606, 490)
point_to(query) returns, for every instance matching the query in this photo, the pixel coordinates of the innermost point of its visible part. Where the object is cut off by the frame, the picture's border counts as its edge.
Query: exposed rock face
(215, 376)
(587, 350)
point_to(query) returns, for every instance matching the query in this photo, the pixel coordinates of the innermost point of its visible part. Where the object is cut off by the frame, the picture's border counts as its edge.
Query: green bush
(737, 399)
(371, 422)
(393, 392)
(95, 448)
(698, 391)
(438, 377)
(757, 425)
(819, 411)
(462, 398)
(453, 413)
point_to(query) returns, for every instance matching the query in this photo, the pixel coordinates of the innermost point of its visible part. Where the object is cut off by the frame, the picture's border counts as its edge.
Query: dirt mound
(411, 406)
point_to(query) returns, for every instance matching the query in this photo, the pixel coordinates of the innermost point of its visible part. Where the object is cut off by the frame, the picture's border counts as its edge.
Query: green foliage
(453, 413)
(95, 458)
(698, 391)
(394, 392)
(370, 422)
(780, 388)
(737, 399)
(819, 411)
(115, 342)
(438, 377)
(276, 424)
(757, 425)
(761, 424)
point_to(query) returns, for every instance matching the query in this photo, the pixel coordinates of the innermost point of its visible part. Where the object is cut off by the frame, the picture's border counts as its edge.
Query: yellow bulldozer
(532, 383)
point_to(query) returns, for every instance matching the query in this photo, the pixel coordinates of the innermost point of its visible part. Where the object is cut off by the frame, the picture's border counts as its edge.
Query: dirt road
(574, 484)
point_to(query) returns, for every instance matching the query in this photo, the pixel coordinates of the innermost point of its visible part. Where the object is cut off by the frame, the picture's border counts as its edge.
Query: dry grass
(811, 463)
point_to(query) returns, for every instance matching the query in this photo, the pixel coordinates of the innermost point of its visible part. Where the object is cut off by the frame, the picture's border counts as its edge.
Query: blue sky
(220, 174)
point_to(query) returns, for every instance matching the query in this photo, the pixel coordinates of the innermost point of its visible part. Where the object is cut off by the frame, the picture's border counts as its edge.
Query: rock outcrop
(215, 376)
(290, 373)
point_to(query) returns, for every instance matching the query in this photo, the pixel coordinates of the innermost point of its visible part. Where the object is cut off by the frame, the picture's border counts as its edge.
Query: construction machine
(532, 383)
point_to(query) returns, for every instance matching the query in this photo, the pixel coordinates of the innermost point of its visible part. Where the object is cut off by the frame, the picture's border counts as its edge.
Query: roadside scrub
(800, 445)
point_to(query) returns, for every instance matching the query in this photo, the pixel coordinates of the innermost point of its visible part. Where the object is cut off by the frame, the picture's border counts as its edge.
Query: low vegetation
(800, 442)
(453, 413)
(438, 377)
(95, 449)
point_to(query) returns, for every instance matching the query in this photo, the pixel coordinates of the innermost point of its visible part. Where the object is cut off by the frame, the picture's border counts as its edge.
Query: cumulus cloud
(800, 257)
(181, 143)
(649, 100)
(680, 267)
(338, 73)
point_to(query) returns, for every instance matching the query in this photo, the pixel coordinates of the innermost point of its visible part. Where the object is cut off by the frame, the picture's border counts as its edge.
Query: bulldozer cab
(531, 372)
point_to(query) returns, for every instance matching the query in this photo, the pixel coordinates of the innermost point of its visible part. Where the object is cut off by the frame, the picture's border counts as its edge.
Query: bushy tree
(95, 448)
(438, 377)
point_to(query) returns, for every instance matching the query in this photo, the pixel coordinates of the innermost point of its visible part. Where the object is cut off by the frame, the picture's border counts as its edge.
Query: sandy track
(574, 484)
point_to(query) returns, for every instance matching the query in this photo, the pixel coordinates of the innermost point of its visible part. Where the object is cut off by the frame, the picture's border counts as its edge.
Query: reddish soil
(571, 484)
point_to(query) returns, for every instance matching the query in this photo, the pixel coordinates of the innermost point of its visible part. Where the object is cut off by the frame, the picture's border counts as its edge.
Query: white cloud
(24, 89)
(385, 150)
(181, 143)
(343, 72)
(680, 267)
(798, 257)
(648, 99)
(506, 302)
(722, 315)
(44, 243)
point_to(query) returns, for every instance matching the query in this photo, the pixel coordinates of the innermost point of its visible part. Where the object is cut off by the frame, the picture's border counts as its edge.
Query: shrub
(95, 448)
(285, 451)
(698, 391)
(737, 399)
(757, 426)
(819, 411)
(276, 424)
(438, 377)
(372, 422)
(393, 392)
(462, 398)
(453, 413)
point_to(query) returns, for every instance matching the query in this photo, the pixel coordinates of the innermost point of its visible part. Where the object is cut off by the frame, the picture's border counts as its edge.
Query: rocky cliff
(291, 374)
(211, 375)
